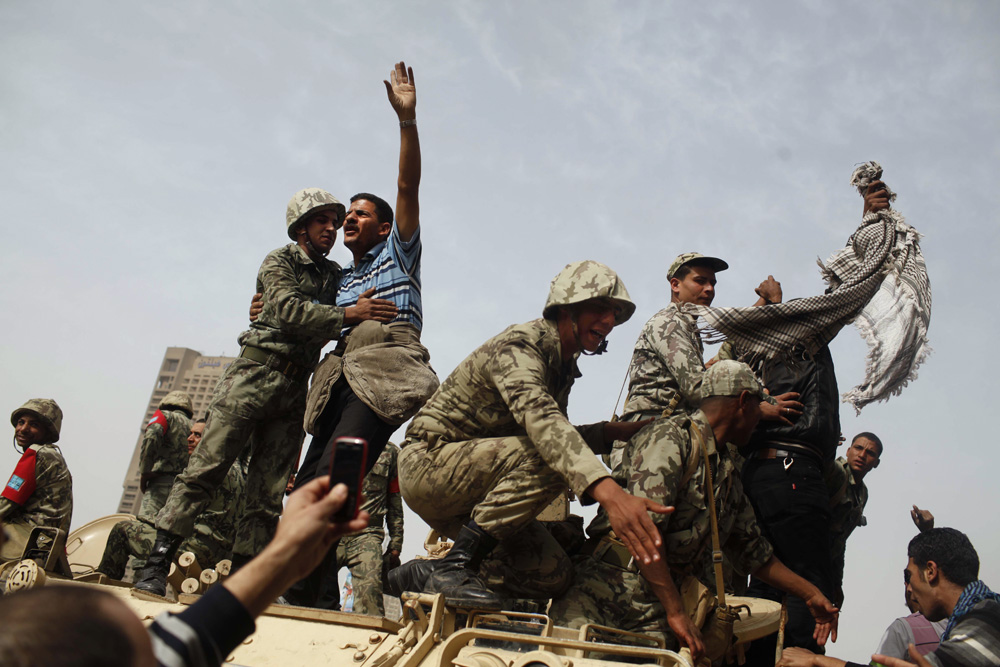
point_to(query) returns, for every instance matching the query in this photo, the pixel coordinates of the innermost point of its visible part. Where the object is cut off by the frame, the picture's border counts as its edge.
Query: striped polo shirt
(393, 269)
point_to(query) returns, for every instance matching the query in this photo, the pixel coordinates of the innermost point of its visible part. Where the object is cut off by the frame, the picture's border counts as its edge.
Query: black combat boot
(410, 576)
(153, 577)
(457, 574)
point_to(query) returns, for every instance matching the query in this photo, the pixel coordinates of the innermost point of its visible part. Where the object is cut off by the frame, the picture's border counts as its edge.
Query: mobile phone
(347, 466)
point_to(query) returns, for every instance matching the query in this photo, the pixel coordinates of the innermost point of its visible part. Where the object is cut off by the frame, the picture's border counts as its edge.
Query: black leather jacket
(819, 425)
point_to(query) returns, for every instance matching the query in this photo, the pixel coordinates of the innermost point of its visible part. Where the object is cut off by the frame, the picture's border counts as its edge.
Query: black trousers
(344, 415)
(792, 506)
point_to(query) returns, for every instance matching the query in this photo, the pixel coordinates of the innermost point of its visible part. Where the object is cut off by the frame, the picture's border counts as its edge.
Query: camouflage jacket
(215, 528)
(52, 502)
(382, 499)
(667, 366)
(164, 443)
(516, 384)
(848, 497)
(299, 316)
(662, 464)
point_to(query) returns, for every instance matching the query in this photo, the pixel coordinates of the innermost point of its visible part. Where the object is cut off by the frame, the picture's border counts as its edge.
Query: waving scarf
(878, 281)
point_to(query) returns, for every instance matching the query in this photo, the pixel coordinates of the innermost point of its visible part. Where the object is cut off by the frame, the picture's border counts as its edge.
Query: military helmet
(309, 201)
(44, 409)
(582, 281)
(178, 400)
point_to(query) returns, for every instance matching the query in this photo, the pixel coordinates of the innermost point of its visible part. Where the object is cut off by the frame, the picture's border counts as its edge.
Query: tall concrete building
(186, 370)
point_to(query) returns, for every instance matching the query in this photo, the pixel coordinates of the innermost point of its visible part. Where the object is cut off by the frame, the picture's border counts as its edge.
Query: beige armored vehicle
(430, 633)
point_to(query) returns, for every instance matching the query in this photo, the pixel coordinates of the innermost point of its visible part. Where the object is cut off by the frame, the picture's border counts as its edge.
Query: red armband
(394, 485)
(158, 418)
(21, 484)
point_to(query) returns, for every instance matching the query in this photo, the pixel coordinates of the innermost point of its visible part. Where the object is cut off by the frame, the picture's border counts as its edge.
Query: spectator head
(194, 437)
(942, 562)
(692, 278)
(864, 453)
(71, 626)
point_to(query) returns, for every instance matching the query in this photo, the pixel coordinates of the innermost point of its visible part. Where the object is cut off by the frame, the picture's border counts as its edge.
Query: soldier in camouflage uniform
(848, 497)
(668, 365)
(40, 490)
(164, 452)
(211, 541)
(493, 446)
(260, 399)
(665, 463)
(362, 552)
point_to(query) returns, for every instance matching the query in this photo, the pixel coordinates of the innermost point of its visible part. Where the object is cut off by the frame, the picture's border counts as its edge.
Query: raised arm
(403, 98)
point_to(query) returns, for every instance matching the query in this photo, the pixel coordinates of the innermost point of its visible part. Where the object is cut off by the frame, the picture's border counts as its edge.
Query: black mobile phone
(347, 466)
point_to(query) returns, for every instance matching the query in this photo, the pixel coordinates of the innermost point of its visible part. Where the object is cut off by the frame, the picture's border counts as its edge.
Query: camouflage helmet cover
(310, 200)
(44, 409)
(582, 281)
(178, 400)
(730, 378)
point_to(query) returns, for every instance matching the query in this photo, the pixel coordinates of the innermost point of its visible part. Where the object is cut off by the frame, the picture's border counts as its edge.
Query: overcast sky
(147, 151)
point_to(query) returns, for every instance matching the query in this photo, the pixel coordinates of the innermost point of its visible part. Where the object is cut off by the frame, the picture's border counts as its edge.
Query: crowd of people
(723, 472)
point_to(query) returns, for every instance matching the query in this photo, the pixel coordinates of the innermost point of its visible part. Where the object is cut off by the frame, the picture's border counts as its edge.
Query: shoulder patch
(21, 484)
(158, 418)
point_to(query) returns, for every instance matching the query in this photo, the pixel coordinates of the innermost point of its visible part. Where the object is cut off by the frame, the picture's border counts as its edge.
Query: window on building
(171, 366)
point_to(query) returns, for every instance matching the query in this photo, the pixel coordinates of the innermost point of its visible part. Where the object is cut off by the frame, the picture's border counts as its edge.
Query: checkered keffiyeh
(878, 281)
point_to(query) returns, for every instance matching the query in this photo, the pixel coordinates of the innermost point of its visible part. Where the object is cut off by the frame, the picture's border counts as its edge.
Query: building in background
(185, 370)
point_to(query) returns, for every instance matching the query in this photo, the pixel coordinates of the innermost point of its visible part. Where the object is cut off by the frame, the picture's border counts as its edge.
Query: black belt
(276, 362)
(610, 551)
(785, 450)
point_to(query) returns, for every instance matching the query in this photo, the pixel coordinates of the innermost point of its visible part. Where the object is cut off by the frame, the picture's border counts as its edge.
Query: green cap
(686, 257)
(730, 378)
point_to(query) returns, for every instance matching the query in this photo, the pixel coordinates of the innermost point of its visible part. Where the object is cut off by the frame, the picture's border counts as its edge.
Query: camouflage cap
(582, 281)
(310, 200)
(730, 378)
(178, 400)
(44, 409)
(685, 257)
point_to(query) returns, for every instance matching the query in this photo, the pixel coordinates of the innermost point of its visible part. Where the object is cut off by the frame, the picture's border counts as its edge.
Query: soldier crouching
(493, 446)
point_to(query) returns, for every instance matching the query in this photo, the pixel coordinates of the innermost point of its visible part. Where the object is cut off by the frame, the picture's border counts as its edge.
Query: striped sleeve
(203, 634)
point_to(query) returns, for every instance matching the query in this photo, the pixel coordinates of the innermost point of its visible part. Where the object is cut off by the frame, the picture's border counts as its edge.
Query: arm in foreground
(657, 575)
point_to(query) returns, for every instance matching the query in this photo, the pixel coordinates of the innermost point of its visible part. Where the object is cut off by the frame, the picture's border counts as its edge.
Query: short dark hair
(61, 625)
(200, 421)
(951, 550)
(382, 209)
(686, 267)
(870, 436)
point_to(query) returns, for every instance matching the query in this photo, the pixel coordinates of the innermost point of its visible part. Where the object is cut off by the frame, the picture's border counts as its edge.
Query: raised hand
(402, 92)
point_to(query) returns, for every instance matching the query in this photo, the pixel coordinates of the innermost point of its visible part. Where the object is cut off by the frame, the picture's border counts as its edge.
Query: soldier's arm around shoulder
(293, 310)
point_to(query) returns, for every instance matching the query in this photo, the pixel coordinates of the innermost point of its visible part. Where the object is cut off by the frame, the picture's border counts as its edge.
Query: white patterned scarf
(878, 281)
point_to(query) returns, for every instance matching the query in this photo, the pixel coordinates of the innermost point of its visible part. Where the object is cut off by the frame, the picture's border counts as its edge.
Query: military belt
(276, 362)
(611, 551)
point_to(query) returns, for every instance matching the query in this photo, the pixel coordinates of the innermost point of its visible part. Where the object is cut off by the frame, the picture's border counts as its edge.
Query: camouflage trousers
(253, 406)
(362, 555)
(157, 492)
(608, 595)
(135, 538)
(502, 484)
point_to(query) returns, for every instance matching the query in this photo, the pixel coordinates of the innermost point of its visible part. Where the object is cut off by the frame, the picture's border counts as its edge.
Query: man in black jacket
(783, 477)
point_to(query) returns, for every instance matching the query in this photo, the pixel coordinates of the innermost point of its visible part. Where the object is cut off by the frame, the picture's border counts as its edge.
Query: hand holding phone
(347, 466)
